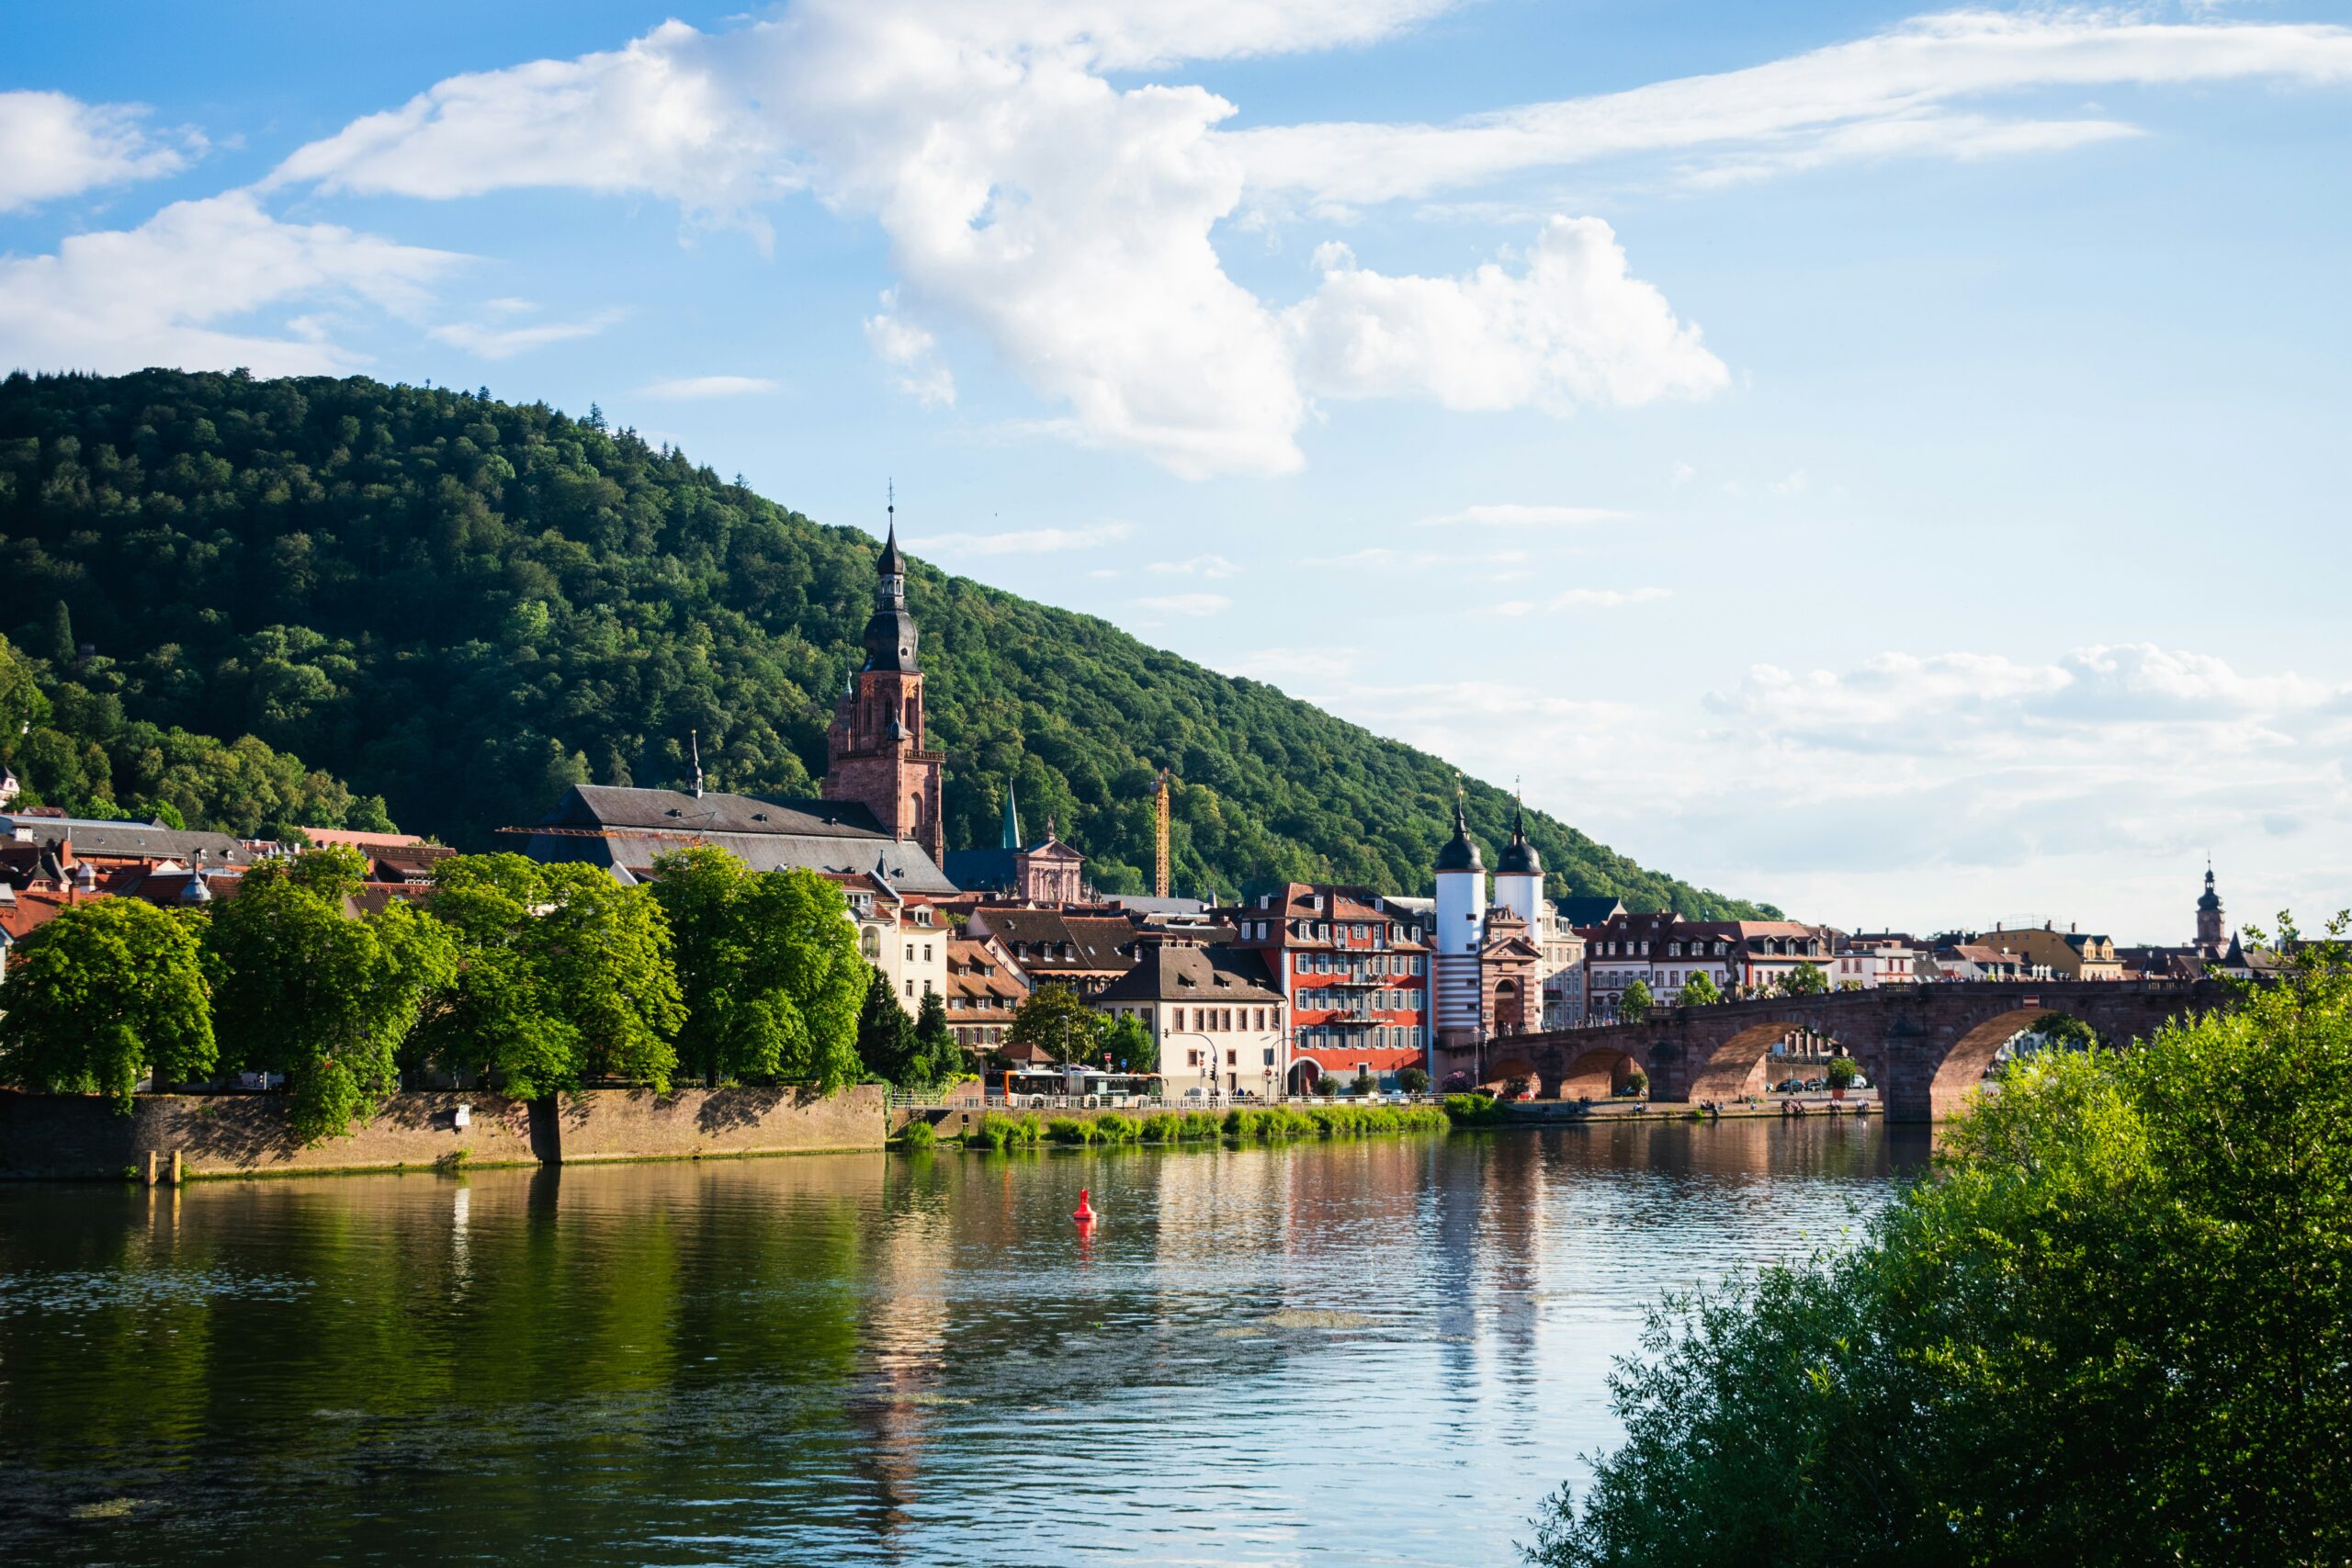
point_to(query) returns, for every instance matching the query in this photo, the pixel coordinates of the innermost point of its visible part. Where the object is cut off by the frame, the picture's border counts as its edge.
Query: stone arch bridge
(1924, 1046)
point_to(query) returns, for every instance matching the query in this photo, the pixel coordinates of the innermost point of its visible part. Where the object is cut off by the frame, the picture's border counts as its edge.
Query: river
(1383, 1351)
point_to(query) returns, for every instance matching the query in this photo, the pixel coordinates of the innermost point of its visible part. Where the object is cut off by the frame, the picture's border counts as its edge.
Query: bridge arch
(1741, 1065)
(1507, 1066)
(1597, 1073)
(1973, 1055)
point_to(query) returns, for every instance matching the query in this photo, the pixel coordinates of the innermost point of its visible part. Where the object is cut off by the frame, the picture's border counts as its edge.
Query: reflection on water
(1383, 1351)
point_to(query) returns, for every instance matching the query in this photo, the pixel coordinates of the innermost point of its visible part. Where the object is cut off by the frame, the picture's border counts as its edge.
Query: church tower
(2209, 916)
(874, 750)
(1456, 1004)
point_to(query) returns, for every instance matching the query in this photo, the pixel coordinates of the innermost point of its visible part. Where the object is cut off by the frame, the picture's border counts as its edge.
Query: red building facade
(1354, 975)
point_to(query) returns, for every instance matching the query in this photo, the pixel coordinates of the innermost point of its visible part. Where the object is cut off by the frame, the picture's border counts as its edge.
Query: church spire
(1012, 818)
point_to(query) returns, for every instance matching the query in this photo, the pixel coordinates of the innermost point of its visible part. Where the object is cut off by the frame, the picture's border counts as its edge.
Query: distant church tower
(2209, 916)
(874, 750)
(1456, 1008)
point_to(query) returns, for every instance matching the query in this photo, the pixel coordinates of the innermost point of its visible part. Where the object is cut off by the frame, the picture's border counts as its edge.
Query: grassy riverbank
(1001, 1130)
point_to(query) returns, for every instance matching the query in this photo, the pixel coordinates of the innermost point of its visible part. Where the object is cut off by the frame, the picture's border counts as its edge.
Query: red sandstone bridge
(1924, 1046)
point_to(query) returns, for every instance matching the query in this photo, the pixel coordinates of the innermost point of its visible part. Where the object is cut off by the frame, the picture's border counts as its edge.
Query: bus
(1081, 1087)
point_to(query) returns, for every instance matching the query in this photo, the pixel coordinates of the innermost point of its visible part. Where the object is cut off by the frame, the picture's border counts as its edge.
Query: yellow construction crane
(1159, 863)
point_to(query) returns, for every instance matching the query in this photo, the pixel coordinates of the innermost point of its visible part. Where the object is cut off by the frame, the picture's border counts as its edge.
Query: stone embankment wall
(245, 1134)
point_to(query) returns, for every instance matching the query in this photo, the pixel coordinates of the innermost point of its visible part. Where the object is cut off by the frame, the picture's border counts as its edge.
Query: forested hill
(466, 605)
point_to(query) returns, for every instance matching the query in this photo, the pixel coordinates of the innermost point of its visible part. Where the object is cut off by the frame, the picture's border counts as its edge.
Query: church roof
(604, 825)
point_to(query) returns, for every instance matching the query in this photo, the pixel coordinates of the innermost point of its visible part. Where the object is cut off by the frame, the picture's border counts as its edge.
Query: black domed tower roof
(891, 639)
(1518, 858)
(2211, 900)
(1460, 853)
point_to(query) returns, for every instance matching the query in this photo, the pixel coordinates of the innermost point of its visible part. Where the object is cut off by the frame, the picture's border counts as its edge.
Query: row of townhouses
(1286, 990)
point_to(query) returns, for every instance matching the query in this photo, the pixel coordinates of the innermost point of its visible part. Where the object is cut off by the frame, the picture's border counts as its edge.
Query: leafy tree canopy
(103, 995)
(71, 745)
(563, 976)
(768, 970)
(2115, 1328)
(326, 998)
(465, 605)
(1057, 1021)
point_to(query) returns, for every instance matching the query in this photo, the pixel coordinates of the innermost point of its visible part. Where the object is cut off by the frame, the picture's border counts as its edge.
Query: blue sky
(1880, 459)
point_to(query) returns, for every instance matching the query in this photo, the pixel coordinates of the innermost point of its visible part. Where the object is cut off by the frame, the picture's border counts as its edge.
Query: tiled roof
(765, 834)
(131, 841)
(1177, 972)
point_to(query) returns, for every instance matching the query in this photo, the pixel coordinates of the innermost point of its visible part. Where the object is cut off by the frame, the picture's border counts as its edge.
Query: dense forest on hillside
(76, 748)
(465, 605)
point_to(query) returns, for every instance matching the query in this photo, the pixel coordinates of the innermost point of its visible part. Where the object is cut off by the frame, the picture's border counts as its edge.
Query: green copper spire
(1012, 818)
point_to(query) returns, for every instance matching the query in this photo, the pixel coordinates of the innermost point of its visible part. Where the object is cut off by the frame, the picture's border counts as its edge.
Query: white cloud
(1575, 327)
(1795, 484)
(1891, 93)
(1197, 566)
(1186, 603)
(1682, 475)
(52, 145)
(504, 343)
(899, 342)
(1066, 222)
(1512, 607)
(165, 293)
(1927, 790)
(1512, 514)
(694, 387)
(1604, 598)
(1023, 541)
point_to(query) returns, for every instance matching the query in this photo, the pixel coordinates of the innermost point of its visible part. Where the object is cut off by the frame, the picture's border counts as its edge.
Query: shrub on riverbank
(2114, 1328)
(1473, 1111)
(999, 1130)
(918, 1135)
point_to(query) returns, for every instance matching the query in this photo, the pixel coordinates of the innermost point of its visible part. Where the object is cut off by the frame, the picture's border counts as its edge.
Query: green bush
(1070, 1130)
(1112, 1128)
(999, 1130)
(918, 1135)
(1472, 1111)
(2113, 1328)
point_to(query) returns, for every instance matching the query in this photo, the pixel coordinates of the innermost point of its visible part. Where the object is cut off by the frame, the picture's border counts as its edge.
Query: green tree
(62, 648)
(1801, 980)
(1842, 1071)
(1057, 1019)
(1699, 992)
(936, 1054)
(1129, 1042)
(107, 993)
(2064, 1032)
(885, 1035)
(563, 976)
(22, 705)
(1413, 1080)
(2112, 1329)
(308, 989)
(1635, 1002)
(464, 605)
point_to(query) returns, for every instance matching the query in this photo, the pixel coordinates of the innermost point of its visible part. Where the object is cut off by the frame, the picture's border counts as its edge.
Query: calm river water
(1375, 1352)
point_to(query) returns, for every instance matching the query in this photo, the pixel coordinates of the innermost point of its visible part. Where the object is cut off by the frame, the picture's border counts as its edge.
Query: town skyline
(1823, 464)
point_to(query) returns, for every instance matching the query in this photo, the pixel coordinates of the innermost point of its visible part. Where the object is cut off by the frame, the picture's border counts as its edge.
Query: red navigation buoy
(1084, 1212)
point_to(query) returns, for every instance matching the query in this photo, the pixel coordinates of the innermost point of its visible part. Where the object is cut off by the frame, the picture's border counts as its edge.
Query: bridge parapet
(1926, 1046)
